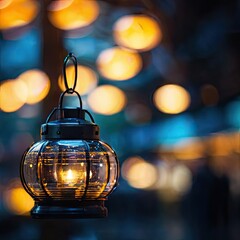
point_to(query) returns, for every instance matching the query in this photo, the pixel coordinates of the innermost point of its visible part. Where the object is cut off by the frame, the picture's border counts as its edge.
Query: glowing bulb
(72, 14)
(139, 32)
(69, 177)
(171, 99)
(13, 95)
(38, 85)
(86, 79)
(17, 13)
(119, 64)
(107, 100)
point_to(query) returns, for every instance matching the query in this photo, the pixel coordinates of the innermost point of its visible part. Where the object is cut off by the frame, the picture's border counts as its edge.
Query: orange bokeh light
(38, 85)
(17, 13)
(171, 99)
(13, 95)
(119, 64)
(107, 100)
(139, 32)
(72, 14)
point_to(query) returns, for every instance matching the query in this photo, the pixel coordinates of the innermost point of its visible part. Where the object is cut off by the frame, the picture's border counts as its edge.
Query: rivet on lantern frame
(69, 172)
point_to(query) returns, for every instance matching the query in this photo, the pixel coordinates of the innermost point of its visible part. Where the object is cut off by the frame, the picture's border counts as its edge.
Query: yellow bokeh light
(189, 149)
(181, 178)
(139, 173)
(107, 100)
(72, 14)
(86, 80)
(13, 95)
(128, 163)
(4, 3)
(171, 99)
(119, 64)
(38, 85)
(139, 32)
(18, 201)
(17, 13)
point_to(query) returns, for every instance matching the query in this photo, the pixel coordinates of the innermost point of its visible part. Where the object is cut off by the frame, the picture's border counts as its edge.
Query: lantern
(69, 172)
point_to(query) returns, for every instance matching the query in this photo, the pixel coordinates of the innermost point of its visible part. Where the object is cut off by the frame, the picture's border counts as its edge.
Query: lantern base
(69, 209)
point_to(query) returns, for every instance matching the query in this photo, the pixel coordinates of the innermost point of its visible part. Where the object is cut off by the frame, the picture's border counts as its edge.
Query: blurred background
(162, 80)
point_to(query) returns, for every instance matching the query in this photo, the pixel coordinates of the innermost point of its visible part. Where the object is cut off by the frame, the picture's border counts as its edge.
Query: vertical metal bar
(39, 169)
(108, 175)
(24, 183)
(88, 169)
(117, 177)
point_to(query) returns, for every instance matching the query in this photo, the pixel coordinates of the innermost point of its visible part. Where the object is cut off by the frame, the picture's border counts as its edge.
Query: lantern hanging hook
(69, 57)
(70, 90)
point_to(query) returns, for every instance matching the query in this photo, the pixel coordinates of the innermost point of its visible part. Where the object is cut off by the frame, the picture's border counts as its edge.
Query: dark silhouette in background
(208, 202)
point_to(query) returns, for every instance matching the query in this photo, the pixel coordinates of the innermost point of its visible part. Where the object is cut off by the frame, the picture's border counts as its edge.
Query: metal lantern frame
(71, 126)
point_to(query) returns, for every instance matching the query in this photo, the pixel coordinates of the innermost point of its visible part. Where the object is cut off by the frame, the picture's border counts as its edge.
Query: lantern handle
(67, 91)
(69, 57)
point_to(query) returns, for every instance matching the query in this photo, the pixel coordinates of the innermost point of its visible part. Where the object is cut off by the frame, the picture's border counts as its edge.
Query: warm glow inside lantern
(69, 172)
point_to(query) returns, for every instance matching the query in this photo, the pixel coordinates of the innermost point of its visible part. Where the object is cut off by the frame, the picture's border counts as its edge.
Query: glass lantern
(69, 172)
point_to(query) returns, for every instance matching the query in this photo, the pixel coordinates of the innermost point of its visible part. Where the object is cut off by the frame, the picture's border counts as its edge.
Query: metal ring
(69, 57)
(67, 91)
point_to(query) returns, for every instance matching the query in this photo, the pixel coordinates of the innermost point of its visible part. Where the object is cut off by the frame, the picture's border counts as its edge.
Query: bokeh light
(209, 95)
(139, 32)
(38, 85)
(181, 178)
(86, 79)
(174, 180)
(189, 149)
(107, 100)
(17, 13)
(4, 3)
(13, 95)
(139, 173)
(171, 99)
(72, 14)
(221, 144)
(17, 200)
(119, 64)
